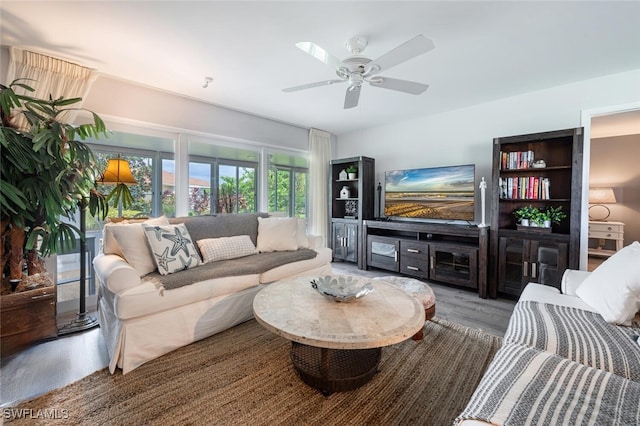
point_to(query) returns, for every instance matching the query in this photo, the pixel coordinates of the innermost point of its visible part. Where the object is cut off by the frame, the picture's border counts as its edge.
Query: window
(236, 188)
(287, 188)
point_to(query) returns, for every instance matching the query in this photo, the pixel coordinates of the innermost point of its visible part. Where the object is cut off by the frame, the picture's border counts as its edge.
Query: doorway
(612, 146)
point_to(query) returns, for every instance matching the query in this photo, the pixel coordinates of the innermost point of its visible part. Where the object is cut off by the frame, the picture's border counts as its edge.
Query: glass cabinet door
(454, 264)
(382, 253)
(513, 268)
(548, 262)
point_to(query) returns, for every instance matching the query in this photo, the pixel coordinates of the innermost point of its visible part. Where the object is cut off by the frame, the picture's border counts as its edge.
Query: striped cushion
(525, 386)
(578, 335)
(214, 249)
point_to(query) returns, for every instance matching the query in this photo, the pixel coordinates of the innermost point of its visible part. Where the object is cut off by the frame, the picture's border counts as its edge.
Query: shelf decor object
(483, 189)
(598, 197)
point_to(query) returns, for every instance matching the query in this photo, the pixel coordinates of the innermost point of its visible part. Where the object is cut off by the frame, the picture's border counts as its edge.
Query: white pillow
(127, 240)
(303, 241)
(613, 288)
(172, 248)
(214, 249)
(277, 234)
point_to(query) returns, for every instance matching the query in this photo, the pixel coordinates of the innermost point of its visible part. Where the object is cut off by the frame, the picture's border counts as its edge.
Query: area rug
(244, 376)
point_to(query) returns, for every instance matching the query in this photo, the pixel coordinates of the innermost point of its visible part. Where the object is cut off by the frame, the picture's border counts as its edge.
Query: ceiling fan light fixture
(356, 45)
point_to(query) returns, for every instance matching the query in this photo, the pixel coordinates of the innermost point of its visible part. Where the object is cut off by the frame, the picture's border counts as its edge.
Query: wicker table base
(334, 370)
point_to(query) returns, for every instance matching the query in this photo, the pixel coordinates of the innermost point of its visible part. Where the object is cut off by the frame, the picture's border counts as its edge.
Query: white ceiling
(484, 50)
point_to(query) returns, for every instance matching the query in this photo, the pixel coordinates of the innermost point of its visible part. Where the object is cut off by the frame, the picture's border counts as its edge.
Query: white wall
(117, 98)
(466, 135)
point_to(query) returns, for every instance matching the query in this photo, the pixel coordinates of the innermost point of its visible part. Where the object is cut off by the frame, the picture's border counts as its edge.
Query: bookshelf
(348, 212)
(520, 179)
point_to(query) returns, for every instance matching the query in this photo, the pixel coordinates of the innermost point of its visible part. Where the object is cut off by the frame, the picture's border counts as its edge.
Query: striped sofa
(560, 363)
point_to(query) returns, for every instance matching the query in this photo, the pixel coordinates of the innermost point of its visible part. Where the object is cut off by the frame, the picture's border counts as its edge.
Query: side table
(603, 231)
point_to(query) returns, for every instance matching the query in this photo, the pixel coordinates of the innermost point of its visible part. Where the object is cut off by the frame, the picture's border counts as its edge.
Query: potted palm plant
(47, 175)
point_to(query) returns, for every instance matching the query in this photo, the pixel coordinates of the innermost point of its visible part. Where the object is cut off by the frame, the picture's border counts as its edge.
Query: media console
(454, 254)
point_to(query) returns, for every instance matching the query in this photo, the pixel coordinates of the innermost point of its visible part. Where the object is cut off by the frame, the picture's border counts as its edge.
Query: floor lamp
(83, 321)
(118, 173)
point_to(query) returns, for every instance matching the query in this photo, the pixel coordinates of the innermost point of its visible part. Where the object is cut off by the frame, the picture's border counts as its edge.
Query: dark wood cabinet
(454, 254)
(351, 202)
(345, 240)
(525, 260)
(540, 170)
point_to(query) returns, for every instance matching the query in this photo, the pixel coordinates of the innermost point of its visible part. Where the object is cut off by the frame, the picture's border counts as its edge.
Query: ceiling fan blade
(319, 53)
(405, 86)
(352, 97)
(310, 85)
(410, 49)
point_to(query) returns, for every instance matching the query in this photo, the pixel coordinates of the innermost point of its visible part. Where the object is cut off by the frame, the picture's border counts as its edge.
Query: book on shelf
(514, 160)
(524, 188)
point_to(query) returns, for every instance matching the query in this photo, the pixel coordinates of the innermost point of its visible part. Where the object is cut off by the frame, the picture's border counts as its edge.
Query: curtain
(50, 76)
(320, 147)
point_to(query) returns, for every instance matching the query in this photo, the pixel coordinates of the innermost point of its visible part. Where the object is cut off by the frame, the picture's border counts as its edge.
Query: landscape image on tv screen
(446, 193)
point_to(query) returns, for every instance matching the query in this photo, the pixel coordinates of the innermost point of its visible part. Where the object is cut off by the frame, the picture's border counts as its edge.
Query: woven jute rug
(244, 376)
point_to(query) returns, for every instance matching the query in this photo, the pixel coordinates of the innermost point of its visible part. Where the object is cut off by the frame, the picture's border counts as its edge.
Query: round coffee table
(336, 346)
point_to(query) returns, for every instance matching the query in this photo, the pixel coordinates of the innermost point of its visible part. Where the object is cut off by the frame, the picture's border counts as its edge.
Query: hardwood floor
(454, 304)
(53, 364)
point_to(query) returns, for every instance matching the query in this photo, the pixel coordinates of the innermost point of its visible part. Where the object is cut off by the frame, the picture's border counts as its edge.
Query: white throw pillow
(277, 234)
(613, 288)
(303, 241)
(214, 249)
(127, 240)
(172, 248)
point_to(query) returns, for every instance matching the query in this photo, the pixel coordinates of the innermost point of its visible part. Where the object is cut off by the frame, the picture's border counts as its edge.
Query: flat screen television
(446, 193)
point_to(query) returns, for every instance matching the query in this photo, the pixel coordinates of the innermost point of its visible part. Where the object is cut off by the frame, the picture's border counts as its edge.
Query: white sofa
(141, 318)
(561, 362)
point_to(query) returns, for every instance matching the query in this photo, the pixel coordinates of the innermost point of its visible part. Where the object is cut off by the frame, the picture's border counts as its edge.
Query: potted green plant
(554, 215)
(525, 214)
(47, 175)
(352, 171)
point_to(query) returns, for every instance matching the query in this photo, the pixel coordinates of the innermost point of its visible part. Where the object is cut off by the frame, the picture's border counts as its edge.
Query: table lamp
(597, 198)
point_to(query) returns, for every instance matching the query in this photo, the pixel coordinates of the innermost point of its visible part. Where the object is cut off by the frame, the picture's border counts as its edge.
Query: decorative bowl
(341, 288)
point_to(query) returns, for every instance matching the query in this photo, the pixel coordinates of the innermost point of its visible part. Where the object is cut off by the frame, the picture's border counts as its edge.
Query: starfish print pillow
(172, 248)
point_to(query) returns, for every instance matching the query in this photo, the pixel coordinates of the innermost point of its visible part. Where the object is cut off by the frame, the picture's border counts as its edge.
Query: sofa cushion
(613, 288)
(222, 225)
(215, 249)
(131, 243)
(576, 334)
(277, 234)
(301, 234)
(172, 248)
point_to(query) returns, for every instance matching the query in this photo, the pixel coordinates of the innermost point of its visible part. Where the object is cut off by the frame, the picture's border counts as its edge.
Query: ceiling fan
(357, 69)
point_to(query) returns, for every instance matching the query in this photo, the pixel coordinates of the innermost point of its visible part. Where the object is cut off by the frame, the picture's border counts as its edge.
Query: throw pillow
(127, 240)
(613, 288)
(277, 234)
(214, 249)
(303, 241)
(172, 248)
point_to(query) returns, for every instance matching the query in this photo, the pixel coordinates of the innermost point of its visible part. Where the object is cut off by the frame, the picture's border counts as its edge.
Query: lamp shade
(117, 172)
(601, 196)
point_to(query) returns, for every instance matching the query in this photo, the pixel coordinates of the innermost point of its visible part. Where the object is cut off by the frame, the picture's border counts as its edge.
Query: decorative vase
(345, 192)
(353, 176)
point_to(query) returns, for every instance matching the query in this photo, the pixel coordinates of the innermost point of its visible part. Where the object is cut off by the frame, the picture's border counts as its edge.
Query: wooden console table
(455, 254)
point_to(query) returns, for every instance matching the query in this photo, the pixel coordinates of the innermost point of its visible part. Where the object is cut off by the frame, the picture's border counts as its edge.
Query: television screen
(446, 193)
